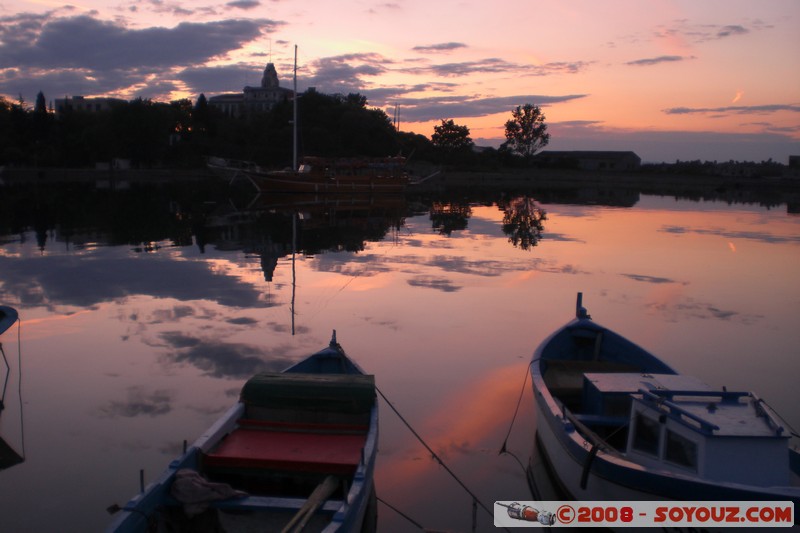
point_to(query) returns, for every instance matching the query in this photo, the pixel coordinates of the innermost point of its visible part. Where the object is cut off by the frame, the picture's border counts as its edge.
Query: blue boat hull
(8, 315)
(587, 468)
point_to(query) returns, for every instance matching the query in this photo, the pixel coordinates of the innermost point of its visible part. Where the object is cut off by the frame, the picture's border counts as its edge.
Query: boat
(9, 456)
(316, 174)
(8, 316)
(296, 452)
(335, 175)
(614, 422)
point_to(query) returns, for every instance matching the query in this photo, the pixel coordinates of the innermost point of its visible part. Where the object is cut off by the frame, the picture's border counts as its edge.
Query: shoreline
(629, 178)
(765, 190)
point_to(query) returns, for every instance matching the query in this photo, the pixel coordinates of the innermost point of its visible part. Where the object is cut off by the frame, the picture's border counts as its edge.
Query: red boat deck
(329, 453)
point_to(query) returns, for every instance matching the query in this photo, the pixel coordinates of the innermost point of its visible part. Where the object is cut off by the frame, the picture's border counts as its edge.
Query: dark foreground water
(144, 311)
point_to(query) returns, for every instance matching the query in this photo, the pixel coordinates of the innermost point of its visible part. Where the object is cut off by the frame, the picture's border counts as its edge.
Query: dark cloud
(738, 110)
(433, 282)
(57, 83)
(763, 237)
(494, 66)
(441, 47)
(50, 281)
(86, 55)
(727, 31)
(355, 266)
(84, 42)
(657, 60)
(577, 124)
(139, 403)
(691, 309)
(355, 72)
(345, 73)
(707, 32)
(242, 321)
(648, 279)
(232, 77)
(561, 237)
(435, 108)
(218, 79)
(455, 263)
(244, 4)
(170, 8)
(222, 360)
(173, 314)
(488, 268)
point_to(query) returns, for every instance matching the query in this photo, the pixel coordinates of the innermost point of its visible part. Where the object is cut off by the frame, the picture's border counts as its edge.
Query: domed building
(253, 100)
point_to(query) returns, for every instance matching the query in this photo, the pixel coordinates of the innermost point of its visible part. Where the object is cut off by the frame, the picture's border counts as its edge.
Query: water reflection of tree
(523, 222)
(447, 217)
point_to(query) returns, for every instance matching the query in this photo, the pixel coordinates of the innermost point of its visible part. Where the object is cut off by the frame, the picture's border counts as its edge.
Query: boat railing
(762, 409)
(659, 397)
(663, 397)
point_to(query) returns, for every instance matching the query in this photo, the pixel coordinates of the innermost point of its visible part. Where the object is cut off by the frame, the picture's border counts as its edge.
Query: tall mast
(294, 121)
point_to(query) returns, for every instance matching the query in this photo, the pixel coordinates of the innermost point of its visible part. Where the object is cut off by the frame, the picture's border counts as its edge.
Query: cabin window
(681, 451)
(646, 434)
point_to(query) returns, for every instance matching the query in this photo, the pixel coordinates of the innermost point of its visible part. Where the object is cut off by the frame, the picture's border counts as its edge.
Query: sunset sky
(669, 79)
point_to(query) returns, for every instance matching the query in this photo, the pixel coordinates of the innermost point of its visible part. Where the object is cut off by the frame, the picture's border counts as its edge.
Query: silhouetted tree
(451, 141)
(336, 125)
(451, 138)
(523, 222)
(200, 115)
(42, 149)
(526, 132)
(41, 104)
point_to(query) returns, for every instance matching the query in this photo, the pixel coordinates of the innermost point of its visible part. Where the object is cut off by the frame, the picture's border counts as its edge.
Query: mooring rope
(435, 455)
(401, 513)
(503, 448)
(19, 388)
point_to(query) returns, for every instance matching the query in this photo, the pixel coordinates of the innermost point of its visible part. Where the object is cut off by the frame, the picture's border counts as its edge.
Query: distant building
(253, 99)
(85, 105)
(794, 161)
(589, 160)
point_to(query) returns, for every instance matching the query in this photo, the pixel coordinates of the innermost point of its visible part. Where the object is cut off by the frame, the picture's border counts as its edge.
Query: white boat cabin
(678, 423)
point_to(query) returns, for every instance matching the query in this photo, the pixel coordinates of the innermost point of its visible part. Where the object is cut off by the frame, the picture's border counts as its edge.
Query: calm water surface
(140, 324)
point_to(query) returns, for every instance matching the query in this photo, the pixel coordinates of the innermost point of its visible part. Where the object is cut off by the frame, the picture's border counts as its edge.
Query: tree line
(182, 134)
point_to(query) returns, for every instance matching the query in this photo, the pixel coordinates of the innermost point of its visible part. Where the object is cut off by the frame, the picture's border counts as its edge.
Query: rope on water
(434, 455)
(19, 388)
(401, 513)
(503, 448)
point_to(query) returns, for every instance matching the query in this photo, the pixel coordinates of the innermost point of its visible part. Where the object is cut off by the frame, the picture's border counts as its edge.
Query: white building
(253, 99)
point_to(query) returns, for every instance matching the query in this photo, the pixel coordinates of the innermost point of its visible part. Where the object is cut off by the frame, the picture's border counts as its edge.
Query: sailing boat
(331, 175)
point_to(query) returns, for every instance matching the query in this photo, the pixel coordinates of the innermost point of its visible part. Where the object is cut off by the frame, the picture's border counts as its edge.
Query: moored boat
(9, 456)
(616, 423)
(8, 315)
(297, 452)
(335, 175)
